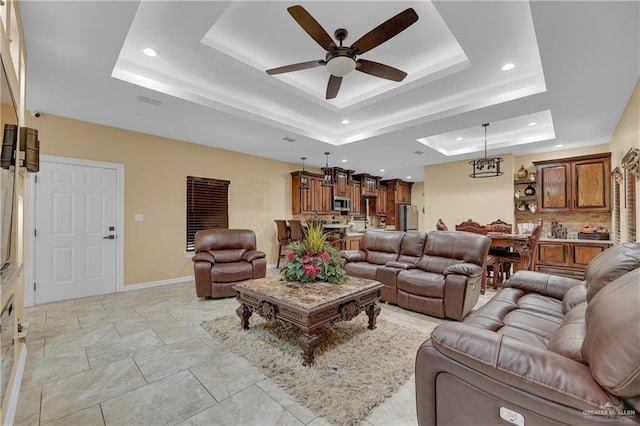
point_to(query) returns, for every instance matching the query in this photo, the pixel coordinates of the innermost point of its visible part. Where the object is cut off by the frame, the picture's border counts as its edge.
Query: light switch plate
(139, 217)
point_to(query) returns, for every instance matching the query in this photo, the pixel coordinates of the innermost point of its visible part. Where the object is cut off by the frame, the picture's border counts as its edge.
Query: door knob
(109, 237)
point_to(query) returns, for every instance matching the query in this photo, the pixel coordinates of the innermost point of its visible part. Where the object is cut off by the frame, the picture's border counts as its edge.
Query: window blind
(207, 206)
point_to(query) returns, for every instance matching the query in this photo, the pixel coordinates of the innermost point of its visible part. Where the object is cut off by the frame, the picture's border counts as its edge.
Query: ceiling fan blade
(296, 67)
(380, 70)
(311, 26)
(333, 87)
(383, 32)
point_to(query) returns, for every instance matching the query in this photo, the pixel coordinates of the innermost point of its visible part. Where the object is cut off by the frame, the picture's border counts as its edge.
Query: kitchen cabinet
(568, 258)
(353, 242)
(356, 193)
(369, 184)
(381, 201)
(398, 192)
(316, 198)
(341, 183)
(576, 184)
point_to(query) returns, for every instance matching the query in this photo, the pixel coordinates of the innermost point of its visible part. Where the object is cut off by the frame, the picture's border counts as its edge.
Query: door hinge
(36, 177)
(34, 286)
(35, 232)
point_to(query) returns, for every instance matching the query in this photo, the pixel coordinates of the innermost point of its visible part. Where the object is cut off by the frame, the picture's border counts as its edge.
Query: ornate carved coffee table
(308, 306)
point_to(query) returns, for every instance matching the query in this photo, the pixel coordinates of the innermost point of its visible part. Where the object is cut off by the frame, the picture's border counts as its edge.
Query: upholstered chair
(222, 258)
(492, 266)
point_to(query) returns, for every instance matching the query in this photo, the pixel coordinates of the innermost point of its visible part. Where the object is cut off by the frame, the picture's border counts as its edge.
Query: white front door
(75, 231)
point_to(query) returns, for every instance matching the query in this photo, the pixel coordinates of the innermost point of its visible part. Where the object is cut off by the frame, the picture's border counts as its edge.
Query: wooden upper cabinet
(316, 198)
(576, 184)
(341, 185)
(381, 201)
(369, 184)
(356, 193)
(592, 178)
(554, 186)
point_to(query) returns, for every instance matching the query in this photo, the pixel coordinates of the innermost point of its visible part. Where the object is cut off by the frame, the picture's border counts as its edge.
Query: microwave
(341, 204)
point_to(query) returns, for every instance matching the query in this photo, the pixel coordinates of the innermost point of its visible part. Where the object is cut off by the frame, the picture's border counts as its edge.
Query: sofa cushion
(611, 264)
(361, 270)
(574, 296)
(421, 283)
(229, 255)
(462, 246)
(231, 271)
(567, 340)
(613, 332)
(381, 247)
(412, 247)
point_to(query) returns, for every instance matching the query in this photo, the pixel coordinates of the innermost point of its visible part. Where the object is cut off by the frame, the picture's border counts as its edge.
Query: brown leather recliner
(544, 350)
(222, 258)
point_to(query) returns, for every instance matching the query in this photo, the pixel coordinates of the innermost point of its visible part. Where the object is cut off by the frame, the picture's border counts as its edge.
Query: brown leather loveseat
(437, 273)
(544, 350)
(224, 257)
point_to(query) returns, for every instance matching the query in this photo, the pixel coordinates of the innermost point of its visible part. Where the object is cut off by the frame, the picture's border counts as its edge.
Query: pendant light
(304, 179)
(487, 166)
(327, 175)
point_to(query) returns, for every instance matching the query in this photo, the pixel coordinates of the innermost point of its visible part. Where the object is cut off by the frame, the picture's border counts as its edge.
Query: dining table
(520, 243)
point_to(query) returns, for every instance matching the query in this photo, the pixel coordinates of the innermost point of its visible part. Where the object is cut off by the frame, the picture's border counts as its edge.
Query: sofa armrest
(538, 282)
(252, 255)
(203, 256)
(353, 255)
(534, 370)
(466, 269)
(400, 265)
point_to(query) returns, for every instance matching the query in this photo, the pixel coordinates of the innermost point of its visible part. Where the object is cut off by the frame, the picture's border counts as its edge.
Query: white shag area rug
(356, 368)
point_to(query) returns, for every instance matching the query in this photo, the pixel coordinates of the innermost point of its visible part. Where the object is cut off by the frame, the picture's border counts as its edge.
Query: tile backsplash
(571, 221)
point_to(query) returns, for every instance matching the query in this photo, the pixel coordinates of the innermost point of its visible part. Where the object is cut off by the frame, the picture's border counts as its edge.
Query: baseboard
(159, 283)
(14, 392)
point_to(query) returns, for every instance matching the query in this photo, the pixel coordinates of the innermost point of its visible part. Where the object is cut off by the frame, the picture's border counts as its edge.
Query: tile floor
(141, 358)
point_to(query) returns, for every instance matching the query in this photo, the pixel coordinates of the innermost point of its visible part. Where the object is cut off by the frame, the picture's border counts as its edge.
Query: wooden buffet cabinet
(568, 258)
(576, 184)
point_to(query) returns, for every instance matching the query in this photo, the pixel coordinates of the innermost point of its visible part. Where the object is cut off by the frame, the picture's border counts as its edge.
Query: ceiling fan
(341, 60)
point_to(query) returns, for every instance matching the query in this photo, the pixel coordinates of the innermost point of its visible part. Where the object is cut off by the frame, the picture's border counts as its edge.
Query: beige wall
(450, 194)
(155, 173)
(625, 137)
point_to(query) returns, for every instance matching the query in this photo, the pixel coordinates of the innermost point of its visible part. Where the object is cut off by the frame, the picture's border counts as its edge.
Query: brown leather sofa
(544, 350)
(222, 258)
(437, 273)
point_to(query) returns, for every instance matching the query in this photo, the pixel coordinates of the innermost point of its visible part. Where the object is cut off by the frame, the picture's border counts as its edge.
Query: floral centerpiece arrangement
(312, 260)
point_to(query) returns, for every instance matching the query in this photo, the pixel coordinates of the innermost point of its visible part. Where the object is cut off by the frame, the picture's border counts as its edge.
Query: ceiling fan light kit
(340, 60)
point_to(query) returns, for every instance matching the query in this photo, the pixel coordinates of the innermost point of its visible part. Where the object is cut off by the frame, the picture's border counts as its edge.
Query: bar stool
(283, 238)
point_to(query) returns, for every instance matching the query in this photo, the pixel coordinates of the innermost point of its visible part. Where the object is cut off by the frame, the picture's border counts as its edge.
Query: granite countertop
(574, 240)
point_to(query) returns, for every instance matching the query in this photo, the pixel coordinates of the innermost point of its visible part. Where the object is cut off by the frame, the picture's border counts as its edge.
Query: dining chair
(504, 269)
(284, 239)
(532, 247)
(491, 263)
(296, 230)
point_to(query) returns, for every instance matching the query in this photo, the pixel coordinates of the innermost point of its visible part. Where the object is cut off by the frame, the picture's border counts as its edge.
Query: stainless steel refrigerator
(408, 217)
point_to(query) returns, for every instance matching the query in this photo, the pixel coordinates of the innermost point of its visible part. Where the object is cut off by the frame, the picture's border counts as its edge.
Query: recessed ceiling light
(345, 121)
(344, 161)
(533, 123)
(381, 170)
(559, 145)
(408, 177)
(149, 52)
(507, 67)
(459, 139)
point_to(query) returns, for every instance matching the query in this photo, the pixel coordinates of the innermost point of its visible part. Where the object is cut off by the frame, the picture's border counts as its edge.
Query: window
(617, 182)
(631, 164)
(207, 206)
